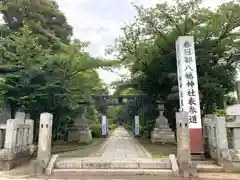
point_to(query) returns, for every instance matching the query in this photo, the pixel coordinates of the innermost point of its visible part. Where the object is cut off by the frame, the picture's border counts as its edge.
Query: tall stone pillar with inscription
(162, 133)
(188, 90)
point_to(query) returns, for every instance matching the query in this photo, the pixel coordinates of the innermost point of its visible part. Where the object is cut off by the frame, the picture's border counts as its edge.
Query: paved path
(120, 145)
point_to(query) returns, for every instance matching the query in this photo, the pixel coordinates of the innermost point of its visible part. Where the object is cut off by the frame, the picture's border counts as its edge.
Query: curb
(147, 153)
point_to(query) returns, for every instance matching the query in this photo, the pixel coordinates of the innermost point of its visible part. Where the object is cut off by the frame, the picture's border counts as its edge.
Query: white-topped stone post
(183, 145)
(222, 141)
(11, 134)
(20, 119)
(234, 110)
(45, 138)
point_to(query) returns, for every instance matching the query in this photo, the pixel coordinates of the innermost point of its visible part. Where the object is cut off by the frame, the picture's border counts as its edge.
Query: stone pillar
(20, 119)
(25, 136)
(30, 123)
(45, 138)
(235, 131)
(183, 145)
(222, 141)
(11, 134)
(30, 135)
(183, 139)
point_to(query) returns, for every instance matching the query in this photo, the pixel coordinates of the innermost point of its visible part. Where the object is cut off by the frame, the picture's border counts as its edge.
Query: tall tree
(43, 16)
(53, 73)
(147, 47)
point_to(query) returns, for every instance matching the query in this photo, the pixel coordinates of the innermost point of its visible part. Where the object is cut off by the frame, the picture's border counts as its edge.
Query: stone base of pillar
(10, 158)
(81, 134)
(163, 136)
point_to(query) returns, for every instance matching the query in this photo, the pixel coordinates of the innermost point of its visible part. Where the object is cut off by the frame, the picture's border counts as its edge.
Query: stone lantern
(161, 132)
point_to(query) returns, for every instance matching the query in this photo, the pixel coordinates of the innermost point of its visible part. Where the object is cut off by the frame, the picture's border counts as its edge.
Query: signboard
(188, 90)
(136, 125)
(104, 125)
(187, 80)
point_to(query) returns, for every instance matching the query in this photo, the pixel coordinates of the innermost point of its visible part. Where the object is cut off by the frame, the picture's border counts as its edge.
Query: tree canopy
(147, 48)
(48, 70)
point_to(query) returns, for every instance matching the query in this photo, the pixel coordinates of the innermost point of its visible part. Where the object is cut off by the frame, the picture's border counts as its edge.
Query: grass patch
(158, 150)
(77, 150)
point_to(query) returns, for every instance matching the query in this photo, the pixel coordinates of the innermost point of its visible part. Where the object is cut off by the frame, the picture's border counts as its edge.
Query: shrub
(220, 112)
(112, 126)
(128, 127)
(96, 130)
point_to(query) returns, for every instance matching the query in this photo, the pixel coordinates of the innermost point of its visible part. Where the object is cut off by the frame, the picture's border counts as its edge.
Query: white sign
(104, 125)
(136, 125)
(187, 80)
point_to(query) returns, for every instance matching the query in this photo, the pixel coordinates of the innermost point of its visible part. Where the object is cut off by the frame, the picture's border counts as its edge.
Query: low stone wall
(12, 158)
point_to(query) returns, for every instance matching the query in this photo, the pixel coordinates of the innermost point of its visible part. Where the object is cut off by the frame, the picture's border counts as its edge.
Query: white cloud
(99, 21)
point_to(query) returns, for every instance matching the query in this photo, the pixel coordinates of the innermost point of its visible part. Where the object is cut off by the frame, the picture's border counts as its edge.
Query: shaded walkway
(120, 145)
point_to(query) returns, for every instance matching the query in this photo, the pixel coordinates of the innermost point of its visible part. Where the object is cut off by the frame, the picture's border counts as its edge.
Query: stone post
(25, 137)
(30, 123)
(45, 138)
(183, 145)
(20, 119)
(11, 134)
(30, 135)
(222, 141)
(235, 130)
(183, 141)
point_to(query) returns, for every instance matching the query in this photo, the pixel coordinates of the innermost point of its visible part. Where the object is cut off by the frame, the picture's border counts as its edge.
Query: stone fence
(222, 140)
(16, 141)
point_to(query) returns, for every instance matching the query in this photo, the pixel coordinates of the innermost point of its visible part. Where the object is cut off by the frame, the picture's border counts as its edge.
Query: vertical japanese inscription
(179, 72)
(190, 84)
(187, 80)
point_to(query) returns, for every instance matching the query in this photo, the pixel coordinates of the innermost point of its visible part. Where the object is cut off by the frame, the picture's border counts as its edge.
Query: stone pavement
(206, 176)
(121, 145)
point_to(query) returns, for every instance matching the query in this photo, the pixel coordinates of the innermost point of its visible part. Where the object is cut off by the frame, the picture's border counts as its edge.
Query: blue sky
(99, 21)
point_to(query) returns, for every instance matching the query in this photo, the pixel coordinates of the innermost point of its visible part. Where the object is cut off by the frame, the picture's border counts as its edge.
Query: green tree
(48, 71)
(43, 16)
(147, 48)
